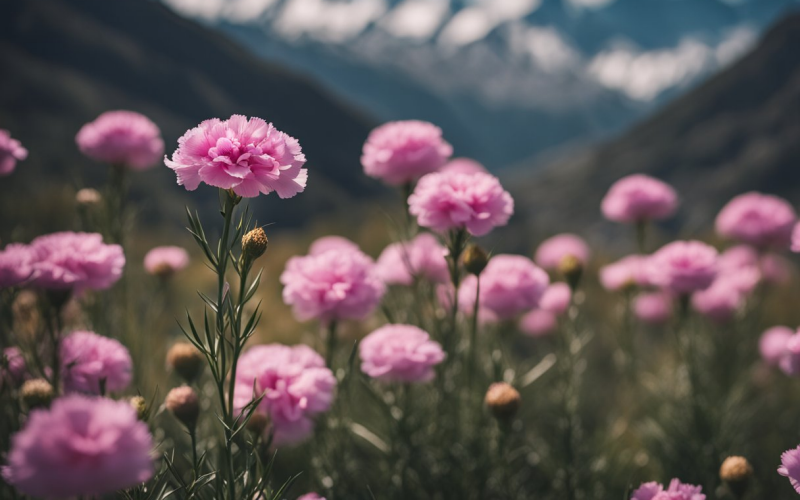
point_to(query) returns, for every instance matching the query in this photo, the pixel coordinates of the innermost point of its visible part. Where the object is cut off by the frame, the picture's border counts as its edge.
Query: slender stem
(329, 354)
(193, 435)
(473, 338)
(641, 236)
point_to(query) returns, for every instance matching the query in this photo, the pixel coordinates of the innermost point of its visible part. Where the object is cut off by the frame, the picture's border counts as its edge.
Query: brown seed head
(182, 402)
(735, 470)
(37, 393)
(140, 405)
(475, 259)
(88, 197)
(185, 359)
(254, 244)
(503, 400)
(572, 269)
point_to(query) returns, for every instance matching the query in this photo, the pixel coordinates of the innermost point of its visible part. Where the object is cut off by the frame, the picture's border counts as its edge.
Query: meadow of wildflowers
(442, 368)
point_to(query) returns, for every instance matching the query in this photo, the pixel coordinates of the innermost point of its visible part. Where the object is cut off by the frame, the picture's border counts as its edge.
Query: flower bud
(88, 197)
(503, 400)
(258, 423)
(185, 359)
(475, 259)
(736, 473)
(37, 393)
(254, 244)
(572, 269)
(140, 405)
(182, 402)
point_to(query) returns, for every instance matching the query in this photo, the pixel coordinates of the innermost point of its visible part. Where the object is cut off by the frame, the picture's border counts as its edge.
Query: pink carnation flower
(339, 283)
(80, 446)
(676, 491)
(790, 360)
(776, 269)
(553, 250)
(295, 384)
(790, 467)
(653, 308)
(772, 344)
(463, 166)
(639, 197)
(403, 151)
(422, 257)
(76, 261)
(13, 368)
(556, 298)
(15, 265)
(796, 238)
(683, 266)
(718, 302)
(758, 219)
(475, 202)
(122, 138)
(89, 360)
(628, 271)
(538, 323)
(510, 285)
(400, 353)
(326, 243)
(247, 156)
(310, 496)
(164, 261)
(11, 151)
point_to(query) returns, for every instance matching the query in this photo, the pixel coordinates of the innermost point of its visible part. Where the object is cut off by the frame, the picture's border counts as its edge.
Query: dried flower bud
(258, 423)
(37, 393)
(185, 359)
(736, 471)
(571, 268)
(182, 402)
(503, 400)
(140, 405)
(88, 197)
(475, 259)
(254, 244)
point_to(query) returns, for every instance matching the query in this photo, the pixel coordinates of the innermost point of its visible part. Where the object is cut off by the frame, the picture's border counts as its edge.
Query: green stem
(329, 354)
(641, 236)
(473, 338)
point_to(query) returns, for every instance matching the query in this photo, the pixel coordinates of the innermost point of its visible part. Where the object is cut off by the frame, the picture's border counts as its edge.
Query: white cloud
(206, 9)
(474, 23)
(418, 19)
(549, 50)
(234, 10)
(329, 21)
(644, 75)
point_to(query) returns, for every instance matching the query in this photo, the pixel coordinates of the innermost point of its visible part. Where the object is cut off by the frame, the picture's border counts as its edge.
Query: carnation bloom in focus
(122, 138)
(553, 250)
(654, 308)
(403, 151)
(89, 360)
(475, 202)
(463, 166)
(247, 156)
(80, 446)
(790, 467)
(683, 267)
(556, 298)
(510, 285)
(15, 265)
(538, 323)
(76, 261)
(422, 257)
(772, 344)
(638, 198)
(400, 353)
(626, 272)
(165, 261)
(758, 219)
(676, 491)
(295, 384)
(11, 151)
(338, 283)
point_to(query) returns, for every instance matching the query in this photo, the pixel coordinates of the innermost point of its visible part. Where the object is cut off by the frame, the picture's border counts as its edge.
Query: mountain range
(506, 79)
(737, 132)
(66, 61)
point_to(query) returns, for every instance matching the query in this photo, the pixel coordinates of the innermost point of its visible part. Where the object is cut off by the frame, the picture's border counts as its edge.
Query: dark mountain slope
(65, 62)
(739, 131)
